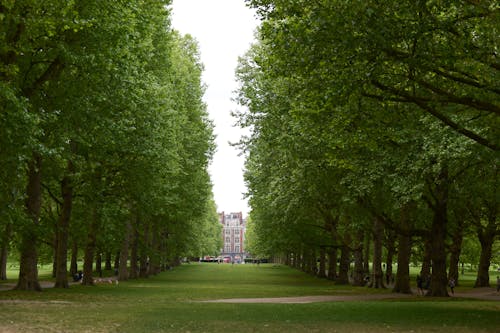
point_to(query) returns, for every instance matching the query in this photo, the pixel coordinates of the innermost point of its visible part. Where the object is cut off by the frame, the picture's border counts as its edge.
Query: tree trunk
(345, 261)
(425, 271)
(116, 264)
(402, 283)
(439, 279)
(28, 270)
(73, 266)
(377, 278)
(54, 253)
(144, 263)
(332, 263)
(4, 251)
(98, 263)
(123, 272)
(296, 259)
(456, 248)
(63, 231)
(107, 261)
(313, 262)
(366, 263)
(309, 262)
(358, 276)
(303, 260)
(154, 262)
(322, 262)
(88, 258)
(391, 251)
(483, 276)
(134, 268)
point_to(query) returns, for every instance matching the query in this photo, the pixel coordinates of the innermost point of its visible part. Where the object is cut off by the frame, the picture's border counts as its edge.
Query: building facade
(233, 234)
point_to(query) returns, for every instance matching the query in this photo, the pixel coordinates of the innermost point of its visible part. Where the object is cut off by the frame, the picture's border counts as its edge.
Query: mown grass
(170, 303)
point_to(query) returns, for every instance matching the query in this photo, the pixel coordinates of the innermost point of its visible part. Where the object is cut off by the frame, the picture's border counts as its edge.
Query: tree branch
(447, 121)
(467, 101)
(52, 195)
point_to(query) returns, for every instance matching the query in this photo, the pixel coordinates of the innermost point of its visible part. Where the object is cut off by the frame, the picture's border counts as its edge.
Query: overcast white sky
(224, 30)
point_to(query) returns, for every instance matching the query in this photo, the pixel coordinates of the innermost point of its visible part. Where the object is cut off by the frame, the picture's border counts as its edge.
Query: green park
(370, 138)
(208, 297)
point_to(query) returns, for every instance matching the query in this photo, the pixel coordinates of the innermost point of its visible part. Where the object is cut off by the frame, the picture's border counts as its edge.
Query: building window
(236, 240)
(228, 239)
(237, 248)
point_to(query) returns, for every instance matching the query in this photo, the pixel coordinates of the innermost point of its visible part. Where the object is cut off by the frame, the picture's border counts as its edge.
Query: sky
(224, 30)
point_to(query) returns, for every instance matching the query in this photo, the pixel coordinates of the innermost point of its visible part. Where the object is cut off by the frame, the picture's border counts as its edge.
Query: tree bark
(313, 262)
(98, 263)
(28, 270)
(154, 262)
(345, 261)
(123, 272)
(377, 278)
(332, 263)
(88, 258)
(54, 253)
(303, 259)
(4, 251)
(439, 279)
(483, 276)
(134, 268)
(63, 231)
(425, 270)
(144, 263)
(322, 262)
(116, 264)
(107, 261)
(391, 251)
(73, 266)
(456, 248)
(366, 263)
(402, 283)
(358, 276)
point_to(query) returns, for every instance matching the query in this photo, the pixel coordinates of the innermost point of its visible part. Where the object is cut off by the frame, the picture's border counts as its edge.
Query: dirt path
(481, 293)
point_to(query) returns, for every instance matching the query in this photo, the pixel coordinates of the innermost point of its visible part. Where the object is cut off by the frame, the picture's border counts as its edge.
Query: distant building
(233, 233)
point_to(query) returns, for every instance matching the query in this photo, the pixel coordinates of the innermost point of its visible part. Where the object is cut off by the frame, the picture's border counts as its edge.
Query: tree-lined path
(176, 301)
(371, 161)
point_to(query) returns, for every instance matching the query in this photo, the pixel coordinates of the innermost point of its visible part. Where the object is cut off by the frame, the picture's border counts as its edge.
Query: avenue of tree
(104, 140)
(375, 132)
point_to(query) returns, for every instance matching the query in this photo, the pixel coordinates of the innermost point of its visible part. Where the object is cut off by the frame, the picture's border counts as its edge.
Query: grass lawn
(169, 303)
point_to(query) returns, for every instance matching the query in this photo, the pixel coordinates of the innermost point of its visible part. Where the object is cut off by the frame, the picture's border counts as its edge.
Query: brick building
(233, 233)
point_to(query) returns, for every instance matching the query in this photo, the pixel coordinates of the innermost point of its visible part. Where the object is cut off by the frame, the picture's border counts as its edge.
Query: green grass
(169, 303)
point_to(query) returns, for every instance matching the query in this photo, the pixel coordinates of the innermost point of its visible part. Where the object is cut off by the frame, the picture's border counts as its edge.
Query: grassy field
(170, 303)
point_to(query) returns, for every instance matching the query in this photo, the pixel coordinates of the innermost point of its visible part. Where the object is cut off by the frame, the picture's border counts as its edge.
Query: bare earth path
(488, 294)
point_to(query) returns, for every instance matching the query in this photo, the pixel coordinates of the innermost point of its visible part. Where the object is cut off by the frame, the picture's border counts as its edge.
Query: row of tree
(373, 124)
(105, 139)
